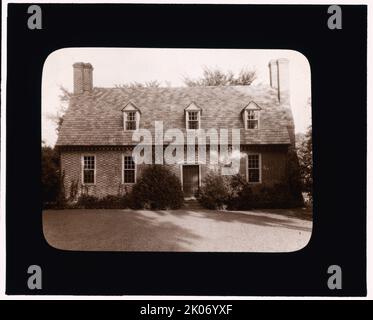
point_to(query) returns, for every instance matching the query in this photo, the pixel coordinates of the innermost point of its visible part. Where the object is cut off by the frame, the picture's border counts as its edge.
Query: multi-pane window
(131, 120)
(129, 169)
(252, 119)
(88, 169)
(193, 120)
(253, 167)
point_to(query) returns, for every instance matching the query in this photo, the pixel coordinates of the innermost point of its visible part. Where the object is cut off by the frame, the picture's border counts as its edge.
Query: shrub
(243, 199)
(235, 193)
(158, 188)
(304, 151)
(114, 202)
(215, 191)
(86, 201)
(74, 190)
(277, 196)
(269, 197)
(61, 202)
(294, 177)
(50, 175)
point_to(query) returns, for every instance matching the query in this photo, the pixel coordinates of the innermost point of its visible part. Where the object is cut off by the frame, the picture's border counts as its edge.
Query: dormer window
(193, 117)
(193, 120)
(131, 117)
(131, 120)
(252, 119)
(250, 116)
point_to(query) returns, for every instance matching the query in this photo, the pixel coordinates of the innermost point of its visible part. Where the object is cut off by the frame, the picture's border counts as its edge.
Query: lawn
(275, 230)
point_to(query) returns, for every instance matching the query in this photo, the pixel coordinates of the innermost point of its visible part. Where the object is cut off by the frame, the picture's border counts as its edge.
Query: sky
(115, 66)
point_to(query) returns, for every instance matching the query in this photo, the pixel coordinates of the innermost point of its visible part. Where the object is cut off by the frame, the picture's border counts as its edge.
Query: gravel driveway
(273, 230)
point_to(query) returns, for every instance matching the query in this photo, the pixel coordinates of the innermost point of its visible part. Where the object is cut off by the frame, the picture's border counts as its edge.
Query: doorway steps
(192, 204)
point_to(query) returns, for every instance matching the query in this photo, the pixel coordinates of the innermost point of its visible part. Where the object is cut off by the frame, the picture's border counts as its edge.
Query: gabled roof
(131, 106)
(95, 118)
(252, 105)
(193, 107)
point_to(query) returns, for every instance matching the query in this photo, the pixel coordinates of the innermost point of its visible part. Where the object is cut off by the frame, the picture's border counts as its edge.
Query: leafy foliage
(158, 188)
(57, 118)
(305, 162)
(216, 77)
(235, 193)
(293, 174)
(86, 201)
(74, 190)
(215, 191)
(50, 174)
(135, 84)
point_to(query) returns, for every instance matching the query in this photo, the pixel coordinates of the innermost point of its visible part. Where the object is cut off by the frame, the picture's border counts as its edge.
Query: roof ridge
(184, 87)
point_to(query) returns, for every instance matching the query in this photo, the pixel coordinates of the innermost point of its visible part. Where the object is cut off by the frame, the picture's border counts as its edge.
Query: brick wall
(108, 173)
(109, 170)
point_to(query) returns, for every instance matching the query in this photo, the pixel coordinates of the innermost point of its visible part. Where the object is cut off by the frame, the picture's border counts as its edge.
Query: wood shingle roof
(95, 118)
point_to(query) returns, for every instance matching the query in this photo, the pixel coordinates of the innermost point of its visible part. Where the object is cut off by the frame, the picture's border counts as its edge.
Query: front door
(190, 179)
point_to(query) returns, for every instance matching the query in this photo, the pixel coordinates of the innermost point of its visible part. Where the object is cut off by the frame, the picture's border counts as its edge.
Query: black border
(339, 88)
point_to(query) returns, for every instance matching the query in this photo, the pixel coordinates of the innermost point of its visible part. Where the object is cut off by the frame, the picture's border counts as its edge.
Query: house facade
(101, 130)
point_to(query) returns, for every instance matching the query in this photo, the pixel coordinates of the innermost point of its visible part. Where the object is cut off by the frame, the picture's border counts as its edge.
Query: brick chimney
(279, 78)
(83, 79)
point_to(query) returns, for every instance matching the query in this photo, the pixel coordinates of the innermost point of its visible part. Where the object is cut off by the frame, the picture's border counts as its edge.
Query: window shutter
(124, 120)
(244, 118)
(203, 171)
(137, 120)
(243, 165)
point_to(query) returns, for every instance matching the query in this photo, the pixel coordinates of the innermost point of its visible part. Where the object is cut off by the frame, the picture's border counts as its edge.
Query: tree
(57, 118)
(50, 176)
(216, 77)
(305, 161)
(146, 84)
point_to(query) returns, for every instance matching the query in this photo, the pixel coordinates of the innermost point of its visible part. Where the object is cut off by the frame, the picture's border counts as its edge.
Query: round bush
(214, 192)
(157, 188)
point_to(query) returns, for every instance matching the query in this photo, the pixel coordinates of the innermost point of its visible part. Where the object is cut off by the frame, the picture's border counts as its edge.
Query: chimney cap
(82, 65)
(276, 61)
(283, 60)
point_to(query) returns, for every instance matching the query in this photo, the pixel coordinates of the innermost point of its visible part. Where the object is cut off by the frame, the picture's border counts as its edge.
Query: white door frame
(181, 174)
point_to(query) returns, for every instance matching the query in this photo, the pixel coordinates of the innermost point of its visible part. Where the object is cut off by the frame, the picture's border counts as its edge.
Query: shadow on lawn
(286, 218)
(112, 230)
(149, 231)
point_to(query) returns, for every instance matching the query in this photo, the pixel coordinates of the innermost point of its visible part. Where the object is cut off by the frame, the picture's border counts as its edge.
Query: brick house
(95, 138)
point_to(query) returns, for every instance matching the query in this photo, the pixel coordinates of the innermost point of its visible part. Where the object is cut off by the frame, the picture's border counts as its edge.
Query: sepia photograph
(177, 150)
(194, 152)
